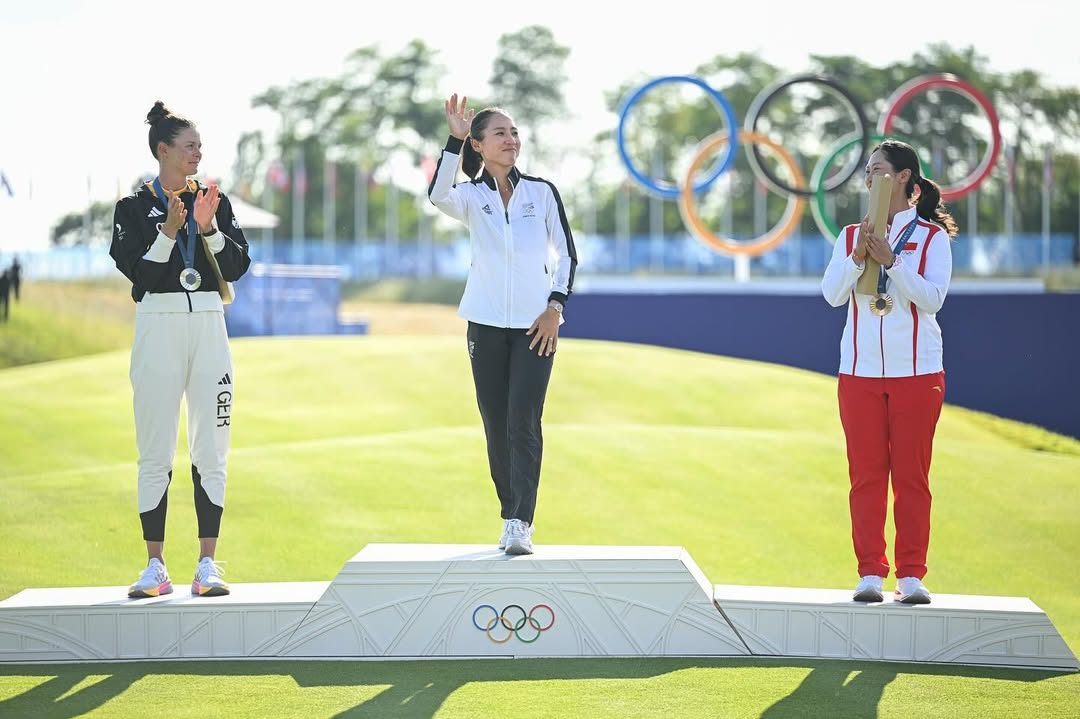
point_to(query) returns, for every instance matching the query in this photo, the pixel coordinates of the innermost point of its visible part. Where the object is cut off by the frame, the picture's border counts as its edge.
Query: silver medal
(190, 279)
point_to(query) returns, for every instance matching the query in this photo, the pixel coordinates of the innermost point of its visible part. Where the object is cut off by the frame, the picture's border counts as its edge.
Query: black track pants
(511, 383)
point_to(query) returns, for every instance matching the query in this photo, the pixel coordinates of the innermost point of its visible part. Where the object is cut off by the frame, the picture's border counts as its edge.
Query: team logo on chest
(486, 209)
(529, 210)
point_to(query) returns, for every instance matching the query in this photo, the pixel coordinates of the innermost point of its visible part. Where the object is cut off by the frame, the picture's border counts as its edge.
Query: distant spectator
(16, 276)
(5, 294)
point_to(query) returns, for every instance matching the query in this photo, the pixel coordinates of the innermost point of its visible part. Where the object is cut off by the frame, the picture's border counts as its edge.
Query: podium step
(443, 600)
(954, 628)
(93, 623)
(405, 600)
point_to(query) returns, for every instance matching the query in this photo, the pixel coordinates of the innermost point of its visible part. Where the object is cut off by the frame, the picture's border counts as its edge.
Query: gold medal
(881, 305)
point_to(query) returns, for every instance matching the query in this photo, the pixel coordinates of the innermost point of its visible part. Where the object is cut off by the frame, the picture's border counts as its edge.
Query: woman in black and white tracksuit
(163, 235)
(522, 272)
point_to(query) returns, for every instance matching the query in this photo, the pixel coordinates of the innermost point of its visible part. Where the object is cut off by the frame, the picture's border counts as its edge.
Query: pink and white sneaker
(208, 581)
(153, 582)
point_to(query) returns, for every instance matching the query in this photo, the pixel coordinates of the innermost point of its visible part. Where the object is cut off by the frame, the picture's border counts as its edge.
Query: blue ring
(493, 609)
(666, 190)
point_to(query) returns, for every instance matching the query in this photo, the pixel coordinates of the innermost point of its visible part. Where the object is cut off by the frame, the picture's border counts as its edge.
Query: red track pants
(889, 423)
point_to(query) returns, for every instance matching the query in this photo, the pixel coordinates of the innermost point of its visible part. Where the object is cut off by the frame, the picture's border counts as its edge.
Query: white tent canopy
(251, 217)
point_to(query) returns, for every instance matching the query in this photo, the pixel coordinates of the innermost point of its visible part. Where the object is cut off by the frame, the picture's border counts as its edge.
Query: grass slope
(342, 441)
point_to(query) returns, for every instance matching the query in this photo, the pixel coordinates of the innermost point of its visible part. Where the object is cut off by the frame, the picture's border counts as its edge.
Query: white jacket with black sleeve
(522, 256)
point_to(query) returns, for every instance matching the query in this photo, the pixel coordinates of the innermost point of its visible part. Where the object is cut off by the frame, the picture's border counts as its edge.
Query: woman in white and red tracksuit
(892, 381)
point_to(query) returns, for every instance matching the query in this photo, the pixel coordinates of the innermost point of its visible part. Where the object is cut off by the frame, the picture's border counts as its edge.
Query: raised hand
(458, 118)
(206, 204)
(176, 218)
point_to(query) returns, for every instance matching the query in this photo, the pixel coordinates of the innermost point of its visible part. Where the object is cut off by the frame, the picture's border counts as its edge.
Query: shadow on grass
(419, 688)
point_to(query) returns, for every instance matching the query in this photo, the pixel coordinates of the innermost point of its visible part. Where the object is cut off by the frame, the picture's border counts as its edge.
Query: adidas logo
(155, 212)
(486, 208)
(225, 380)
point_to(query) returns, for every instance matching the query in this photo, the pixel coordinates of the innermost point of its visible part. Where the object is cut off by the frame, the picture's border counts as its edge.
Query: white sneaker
(505, 533)
(208, 581)
(518, 537)
(869, 589)
(153, 582)
(910, 590)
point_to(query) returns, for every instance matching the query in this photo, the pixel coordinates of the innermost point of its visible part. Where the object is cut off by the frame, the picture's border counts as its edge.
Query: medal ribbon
(185, 239)
(904, 237)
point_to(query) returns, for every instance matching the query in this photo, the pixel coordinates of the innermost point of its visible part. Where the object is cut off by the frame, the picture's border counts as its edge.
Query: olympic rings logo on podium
(516, 622)
(797, 191)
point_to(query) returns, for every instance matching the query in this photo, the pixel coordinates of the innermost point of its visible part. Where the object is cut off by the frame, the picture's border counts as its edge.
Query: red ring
(909, 89)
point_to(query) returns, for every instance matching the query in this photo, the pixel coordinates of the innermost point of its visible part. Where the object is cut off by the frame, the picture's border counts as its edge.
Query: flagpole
(330, 209)
(1046, 188)
(391, 243)
(299, 188)
(973, 197)
(656, 218)
(1010, 161)
(622, 227)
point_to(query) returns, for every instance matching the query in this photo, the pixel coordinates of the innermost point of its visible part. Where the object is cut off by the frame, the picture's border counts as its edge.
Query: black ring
(516, 626)
(756, 110)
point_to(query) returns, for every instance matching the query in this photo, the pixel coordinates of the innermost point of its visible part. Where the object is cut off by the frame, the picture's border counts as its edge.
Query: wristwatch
(555, 305)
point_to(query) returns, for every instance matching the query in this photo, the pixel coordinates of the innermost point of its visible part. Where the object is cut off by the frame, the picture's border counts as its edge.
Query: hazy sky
(80, 76)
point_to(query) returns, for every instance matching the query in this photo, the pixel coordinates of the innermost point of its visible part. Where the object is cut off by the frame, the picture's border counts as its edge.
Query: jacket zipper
(881, 342)
(507, 243)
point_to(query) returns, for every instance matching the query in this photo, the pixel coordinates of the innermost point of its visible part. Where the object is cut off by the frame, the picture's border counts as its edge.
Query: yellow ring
(758, 245)
(491, 625)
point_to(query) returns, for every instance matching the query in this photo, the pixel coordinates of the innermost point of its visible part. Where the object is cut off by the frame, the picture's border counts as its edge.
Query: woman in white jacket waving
(892, 380)
(521, 275)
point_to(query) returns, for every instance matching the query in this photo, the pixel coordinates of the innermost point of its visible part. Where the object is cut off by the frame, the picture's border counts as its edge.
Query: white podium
(414, 600)
(954, 628)
(86, 624)
(473, 600)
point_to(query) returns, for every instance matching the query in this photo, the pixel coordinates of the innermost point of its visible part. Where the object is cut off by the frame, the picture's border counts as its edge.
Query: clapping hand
(874, 245)
(206, 205)
(176, 218)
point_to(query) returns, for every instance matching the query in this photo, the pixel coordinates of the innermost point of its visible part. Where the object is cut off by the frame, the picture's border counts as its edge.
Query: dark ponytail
(931, 208)
(471, 161)
(902, 156)
(164, 125)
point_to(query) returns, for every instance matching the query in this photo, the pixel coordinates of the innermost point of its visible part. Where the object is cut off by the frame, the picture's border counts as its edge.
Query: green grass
(343, 441)
(54, 320)
(433, 290)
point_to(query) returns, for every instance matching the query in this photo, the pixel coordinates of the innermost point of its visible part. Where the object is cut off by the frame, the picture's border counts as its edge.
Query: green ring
(535, 625)
(826, 224)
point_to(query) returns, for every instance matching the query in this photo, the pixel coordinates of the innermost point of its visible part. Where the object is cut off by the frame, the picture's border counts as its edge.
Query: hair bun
(157, 113)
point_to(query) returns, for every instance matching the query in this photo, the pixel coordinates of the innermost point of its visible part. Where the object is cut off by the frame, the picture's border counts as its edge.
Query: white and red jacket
(907, 341)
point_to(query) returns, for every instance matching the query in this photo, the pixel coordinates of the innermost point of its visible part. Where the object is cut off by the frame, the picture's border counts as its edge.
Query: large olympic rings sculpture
(512, 624)
(820, 184)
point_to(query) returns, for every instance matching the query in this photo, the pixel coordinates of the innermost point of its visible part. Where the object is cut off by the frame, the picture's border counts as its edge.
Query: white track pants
(177, 354)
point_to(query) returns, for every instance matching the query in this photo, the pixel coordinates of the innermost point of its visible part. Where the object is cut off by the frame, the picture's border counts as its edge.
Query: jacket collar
(900, 221)
(487, 178)
(192, 186)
